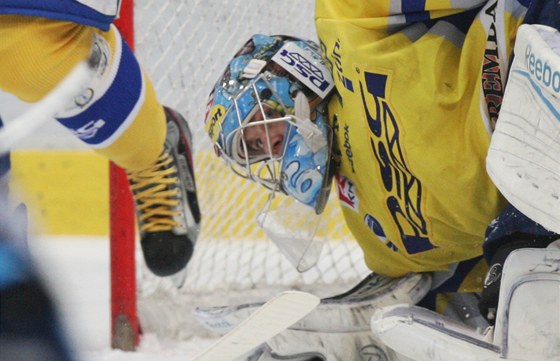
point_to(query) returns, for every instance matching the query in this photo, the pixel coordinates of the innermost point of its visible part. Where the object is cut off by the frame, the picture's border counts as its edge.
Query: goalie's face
(267, 119)
(264, 135)
(250, 128)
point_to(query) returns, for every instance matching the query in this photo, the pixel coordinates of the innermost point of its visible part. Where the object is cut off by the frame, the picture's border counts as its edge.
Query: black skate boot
(167, 209)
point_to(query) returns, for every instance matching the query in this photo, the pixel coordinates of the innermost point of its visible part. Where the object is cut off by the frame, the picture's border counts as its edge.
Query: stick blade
(270, 319)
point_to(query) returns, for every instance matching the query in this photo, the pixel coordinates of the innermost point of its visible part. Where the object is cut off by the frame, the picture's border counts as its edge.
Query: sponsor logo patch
(306, 67)
(213, 120)
(347, 193)
(541, 71)
(375, 226)
(89, 130)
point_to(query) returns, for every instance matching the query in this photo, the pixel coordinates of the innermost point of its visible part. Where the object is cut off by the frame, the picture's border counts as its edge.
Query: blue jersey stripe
(415, 10)
(68, 10)
(114, 107)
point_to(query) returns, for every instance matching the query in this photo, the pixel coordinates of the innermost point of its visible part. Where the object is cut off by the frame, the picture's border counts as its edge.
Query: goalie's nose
(275, 141)
(264, 139)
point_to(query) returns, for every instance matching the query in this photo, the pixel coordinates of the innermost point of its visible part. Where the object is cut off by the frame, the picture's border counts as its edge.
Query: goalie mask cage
(184, 45)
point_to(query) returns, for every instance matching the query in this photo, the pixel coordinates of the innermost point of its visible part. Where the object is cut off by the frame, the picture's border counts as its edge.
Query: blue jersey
(97, 13)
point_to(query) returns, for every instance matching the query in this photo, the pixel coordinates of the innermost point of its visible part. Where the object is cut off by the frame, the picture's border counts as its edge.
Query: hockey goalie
(439, 123)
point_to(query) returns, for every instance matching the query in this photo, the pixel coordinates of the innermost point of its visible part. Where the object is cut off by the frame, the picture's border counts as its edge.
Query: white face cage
(285, 111)
(263, 168)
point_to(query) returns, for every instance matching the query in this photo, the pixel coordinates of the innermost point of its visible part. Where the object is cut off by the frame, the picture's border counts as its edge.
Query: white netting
(184, 46)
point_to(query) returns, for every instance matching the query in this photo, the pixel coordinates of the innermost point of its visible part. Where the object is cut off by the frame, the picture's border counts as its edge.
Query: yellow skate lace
(156, 202)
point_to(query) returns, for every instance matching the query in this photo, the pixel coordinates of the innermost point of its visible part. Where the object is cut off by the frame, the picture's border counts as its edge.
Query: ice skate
(167, 209)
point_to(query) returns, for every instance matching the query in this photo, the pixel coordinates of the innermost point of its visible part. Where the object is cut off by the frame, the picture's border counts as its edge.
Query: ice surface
(76, 271)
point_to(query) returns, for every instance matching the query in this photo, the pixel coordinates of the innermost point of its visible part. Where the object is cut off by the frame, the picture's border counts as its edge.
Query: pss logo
(307, 66)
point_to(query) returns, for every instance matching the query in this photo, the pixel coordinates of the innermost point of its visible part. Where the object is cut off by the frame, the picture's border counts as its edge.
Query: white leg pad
(527, 326)
(423, 335)
(528, 317)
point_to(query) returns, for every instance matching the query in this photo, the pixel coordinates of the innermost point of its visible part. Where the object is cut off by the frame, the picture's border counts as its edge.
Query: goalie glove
(521, 158)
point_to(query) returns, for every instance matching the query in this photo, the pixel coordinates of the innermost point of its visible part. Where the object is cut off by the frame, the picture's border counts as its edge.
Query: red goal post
(125, 328)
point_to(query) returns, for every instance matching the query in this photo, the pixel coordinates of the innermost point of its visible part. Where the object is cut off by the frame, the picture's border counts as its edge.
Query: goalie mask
(267, 118)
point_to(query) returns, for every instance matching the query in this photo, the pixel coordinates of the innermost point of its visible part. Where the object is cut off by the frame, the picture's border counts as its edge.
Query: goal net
(184, 45)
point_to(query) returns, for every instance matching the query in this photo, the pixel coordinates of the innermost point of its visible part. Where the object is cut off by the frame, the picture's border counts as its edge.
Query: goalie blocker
(523, 156)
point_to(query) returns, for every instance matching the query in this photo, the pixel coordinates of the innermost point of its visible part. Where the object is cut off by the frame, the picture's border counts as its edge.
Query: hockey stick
(266, 322)
(62, 95)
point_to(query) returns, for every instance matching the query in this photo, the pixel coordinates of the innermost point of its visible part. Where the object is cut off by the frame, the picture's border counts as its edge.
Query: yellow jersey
(419, 86)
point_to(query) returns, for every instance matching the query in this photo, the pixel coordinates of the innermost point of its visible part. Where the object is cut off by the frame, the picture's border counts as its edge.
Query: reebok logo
(541, 72)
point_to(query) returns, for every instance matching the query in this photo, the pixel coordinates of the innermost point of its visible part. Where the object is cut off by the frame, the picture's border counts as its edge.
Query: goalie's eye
(264, 135)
